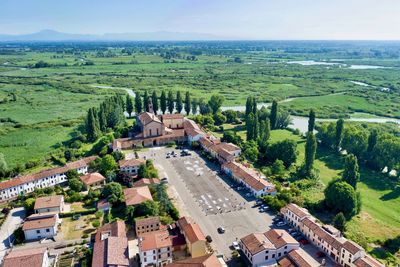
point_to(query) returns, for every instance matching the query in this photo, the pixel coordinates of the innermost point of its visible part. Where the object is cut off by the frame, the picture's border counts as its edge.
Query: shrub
(96, 223)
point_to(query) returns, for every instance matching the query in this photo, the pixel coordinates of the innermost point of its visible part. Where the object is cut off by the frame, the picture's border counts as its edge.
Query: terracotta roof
(25, 257)
(300, 258)
(130, 162)
(154, 240)
(91, 178)
(147, 117)
(193, 233)
(48, 202)
(116, 228)
(229, 147)
(36, 222)
(117, 251)
(171, 116)
(204, 261)
(280, 238)
(45, 173)
(367, 261)
(147, 221)
(298, 211)
(190, 124)
(146, 181)
(137, 195)
(193, 132)
(351, 247)
(184, 220)
(312, 225)
(208, 141)
(285, 262)
(251, 177)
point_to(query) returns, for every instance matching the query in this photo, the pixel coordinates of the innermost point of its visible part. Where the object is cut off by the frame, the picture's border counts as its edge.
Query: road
(237, 222)
(12, 222)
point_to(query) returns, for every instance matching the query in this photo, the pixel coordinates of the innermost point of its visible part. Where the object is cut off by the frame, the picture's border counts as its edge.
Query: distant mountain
(51, 35)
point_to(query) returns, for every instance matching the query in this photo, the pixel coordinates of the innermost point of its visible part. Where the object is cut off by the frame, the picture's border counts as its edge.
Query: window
(273, 255)
(266, 257)
(47, 230)
(169, 254)
(38, 231)
(144, 253)
(279, 254)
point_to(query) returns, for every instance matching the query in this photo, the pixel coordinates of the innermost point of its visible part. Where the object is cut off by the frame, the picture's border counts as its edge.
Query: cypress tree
(92, 125)
(179, 104)
(265, 131)
(254, 106)
(102, 117)
(194, 106)
(273, 116)
(146, 101)
(311, 121)
(170, 102)
(310, 149)
(351, 174)
(256, 127)
(372, 140)
(129, 105)
(250, 127)
(163, 102)
(339, 133)
(187, 103)
(154, 100)
(249, 106)
(138, 103)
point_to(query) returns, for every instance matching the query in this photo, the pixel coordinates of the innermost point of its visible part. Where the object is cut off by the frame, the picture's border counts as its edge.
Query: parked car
(168, 156)
(249, 194)
(277, 219)
(320, 254)
(304, 242)
(221, 230)
(280, 224)
(209, 239)
(239, 188)
(235, 245)
(294, 233)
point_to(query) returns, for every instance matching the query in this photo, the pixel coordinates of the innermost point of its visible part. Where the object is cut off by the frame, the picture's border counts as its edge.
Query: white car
(279, 224)
(235, 245)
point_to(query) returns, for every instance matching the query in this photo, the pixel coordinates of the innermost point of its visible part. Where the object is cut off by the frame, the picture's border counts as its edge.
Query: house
(192, 131)
(103, 205)
(195, 239)
(146, 182)
(137, 195)
(130, 166)
(144, 225)
(111, 246)
(93, 180)
(263, 249)
(327, 238)
(38, 226)
(298, 258)
(209, 260)
(206, 142)
(172, 121)
(155, 248)
(47, 178)
(33, 257)
(49, 204)
(253, 180)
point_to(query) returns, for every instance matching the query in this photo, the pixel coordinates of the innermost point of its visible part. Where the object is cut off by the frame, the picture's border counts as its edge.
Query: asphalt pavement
(13, 221)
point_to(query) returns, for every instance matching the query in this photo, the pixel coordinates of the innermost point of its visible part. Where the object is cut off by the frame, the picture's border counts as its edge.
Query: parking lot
(209, 198)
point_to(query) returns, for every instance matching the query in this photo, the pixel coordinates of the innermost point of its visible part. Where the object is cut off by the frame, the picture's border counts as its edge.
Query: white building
(155, 248)
(253, 180)
(49, 204)
(263, 249)
(38, 226)
(192, 131)
(130, 166)
(28, 183)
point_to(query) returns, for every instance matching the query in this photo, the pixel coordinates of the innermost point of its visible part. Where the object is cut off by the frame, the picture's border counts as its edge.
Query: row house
(298, 258)
(328, 239)
(110, 248)
(253, 180)
(28, 183)
(155, 248)
(262, 249)
(225, 152)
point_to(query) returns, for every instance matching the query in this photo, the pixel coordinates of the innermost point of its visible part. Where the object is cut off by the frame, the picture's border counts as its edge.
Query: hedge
(83, 212)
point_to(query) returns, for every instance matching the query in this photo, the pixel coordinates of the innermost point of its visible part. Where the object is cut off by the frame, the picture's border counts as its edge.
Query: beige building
(93, 180)
(49, 204)
(172, 121)
(144, 225)
(155, 248)
(195, 239)
(130, 166)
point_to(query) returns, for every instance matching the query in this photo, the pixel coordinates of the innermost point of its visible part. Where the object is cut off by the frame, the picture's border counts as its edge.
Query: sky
(234, 19)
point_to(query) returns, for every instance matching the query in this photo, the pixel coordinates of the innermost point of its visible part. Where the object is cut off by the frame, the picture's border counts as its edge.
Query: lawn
(75, 229)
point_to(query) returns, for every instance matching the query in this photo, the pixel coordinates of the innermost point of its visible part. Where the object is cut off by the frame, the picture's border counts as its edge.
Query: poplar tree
(154, 100)
(250, 127)
(311, 121)
(102, 117)
(351, 174)
(265, 131)
(129, 105)
(179, 104)
(163, 102)
(273, 116)
(194, 105)
(138, 103)
(310, 149)
(146, 101)
(92, 125)
(339, 133)
(170, 102)
(249, 106)
(187, 103)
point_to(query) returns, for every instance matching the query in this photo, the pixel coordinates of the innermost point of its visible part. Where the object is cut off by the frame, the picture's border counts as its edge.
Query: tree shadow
(332, 160)
(391, 195)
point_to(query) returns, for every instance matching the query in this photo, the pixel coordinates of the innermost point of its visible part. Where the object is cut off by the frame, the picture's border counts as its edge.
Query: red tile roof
(91, 178)
(46, 173)
(48, 202)
(130, 162)
(116, 228)
(298, 211)
(204, 261)
(193, 233)
(154, 240)
(300, 258)
(171, 116)
(147, 117)
(146, 181)
(25, 257)
(137, 195)
(38, 222)
(352, 247)
(367, 261)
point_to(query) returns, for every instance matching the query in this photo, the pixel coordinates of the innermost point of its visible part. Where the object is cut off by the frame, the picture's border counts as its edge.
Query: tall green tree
(339, 221)
(163, 102)
(146, 101)
(215, 103)
(310, 149)
(194, 105)
(113, 192)
(372, 140)
(250, 127)
(154, 100)
(92, 125)
(179, 104)
(311, 121)
(102, 117)
(254, 106)
(265, 131)
(341, 197)
(188, 103)
(351, 174)
(170, 102)
(285, 150)
(256, 127)
(339, 133)
(3, 165)
(129, 105)
(138, 103)
(273, 116)
(249, 106)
